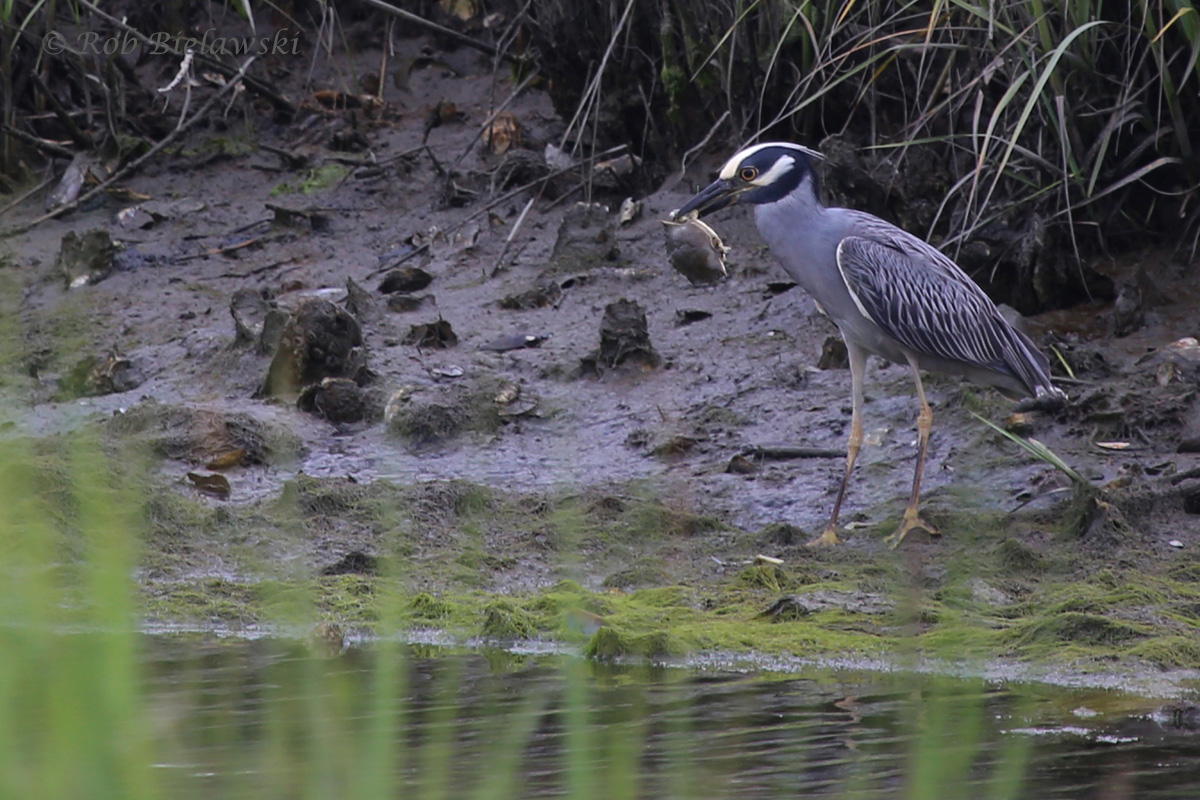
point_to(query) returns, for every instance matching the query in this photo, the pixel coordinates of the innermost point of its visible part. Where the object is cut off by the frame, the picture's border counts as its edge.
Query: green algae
(317, 179)
(623, 572)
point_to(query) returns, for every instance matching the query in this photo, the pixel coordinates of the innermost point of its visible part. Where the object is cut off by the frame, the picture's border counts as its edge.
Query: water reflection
(267, 718)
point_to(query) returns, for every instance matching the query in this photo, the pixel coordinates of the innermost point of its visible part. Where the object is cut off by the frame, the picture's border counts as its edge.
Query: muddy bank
(550, 433)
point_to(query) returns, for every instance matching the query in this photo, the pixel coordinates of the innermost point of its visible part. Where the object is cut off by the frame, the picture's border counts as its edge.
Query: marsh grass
(1080, 114)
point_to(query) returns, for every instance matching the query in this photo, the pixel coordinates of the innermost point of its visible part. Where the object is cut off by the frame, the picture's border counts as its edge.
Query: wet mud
(483, 399)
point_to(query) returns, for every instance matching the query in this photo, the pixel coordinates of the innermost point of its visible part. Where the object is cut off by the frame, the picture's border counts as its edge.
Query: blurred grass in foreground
(87, 712)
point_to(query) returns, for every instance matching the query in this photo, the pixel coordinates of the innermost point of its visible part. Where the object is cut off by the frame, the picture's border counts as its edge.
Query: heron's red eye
(748, 174)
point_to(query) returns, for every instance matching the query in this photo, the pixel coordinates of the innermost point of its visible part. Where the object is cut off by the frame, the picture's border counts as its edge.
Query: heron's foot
(828, 537)
(912, 520)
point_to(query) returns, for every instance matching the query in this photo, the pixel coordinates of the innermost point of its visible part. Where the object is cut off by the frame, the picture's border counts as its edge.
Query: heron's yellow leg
(912, 517)
(858, 361)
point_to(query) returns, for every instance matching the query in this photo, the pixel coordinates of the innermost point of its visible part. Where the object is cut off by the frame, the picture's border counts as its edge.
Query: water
(266, 718)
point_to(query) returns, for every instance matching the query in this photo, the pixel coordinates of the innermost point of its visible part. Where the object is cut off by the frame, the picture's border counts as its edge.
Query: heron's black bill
(717, 195)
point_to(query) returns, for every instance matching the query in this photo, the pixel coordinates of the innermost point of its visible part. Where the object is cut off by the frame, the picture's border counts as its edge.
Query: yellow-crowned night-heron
(888, 292)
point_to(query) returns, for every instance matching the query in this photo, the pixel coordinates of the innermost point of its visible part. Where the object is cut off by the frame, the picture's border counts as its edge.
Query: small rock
(437, 335)
(361, 303)
(86, 259)
(624, 336)
(319, 341)
(833, 354)
(587, 238)
(402, 302)
(696, 252)
(1191, 502)
(249, 310)
(335, 399)
(214, 484)
(545, 294)
(740, 465)
(405, 279)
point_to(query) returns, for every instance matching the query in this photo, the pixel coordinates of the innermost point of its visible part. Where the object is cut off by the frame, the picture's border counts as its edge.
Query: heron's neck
(803, 234)
(795, 219)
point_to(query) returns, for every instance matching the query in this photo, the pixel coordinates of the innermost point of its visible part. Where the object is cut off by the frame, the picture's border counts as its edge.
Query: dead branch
(53, 149)
(136, 164)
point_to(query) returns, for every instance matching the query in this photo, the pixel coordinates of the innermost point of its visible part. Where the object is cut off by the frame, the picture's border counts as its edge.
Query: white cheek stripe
(781, 165)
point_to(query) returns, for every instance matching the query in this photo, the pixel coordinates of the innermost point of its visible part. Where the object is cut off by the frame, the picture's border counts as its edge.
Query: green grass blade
(1035, 448)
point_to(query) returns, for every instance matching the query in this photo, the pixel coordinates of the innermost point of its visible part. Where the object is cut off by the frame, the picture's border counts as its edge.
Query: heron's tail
(1033, 368)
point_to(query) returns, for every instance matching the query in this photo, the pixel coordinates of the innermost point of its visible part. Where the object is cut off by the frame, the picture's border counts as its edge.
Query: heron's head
(762, 173)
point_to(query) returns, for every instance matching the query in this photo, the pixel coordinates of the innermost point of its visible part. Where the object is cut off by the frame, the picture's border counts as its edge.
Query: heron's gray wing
(925, 302)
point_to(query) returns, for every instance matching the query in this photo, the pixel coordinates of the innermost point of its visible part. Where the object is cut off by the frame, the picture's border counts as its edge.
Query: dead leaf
(504, 133)
(465, 10)
(216, 485)
(230, 458)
